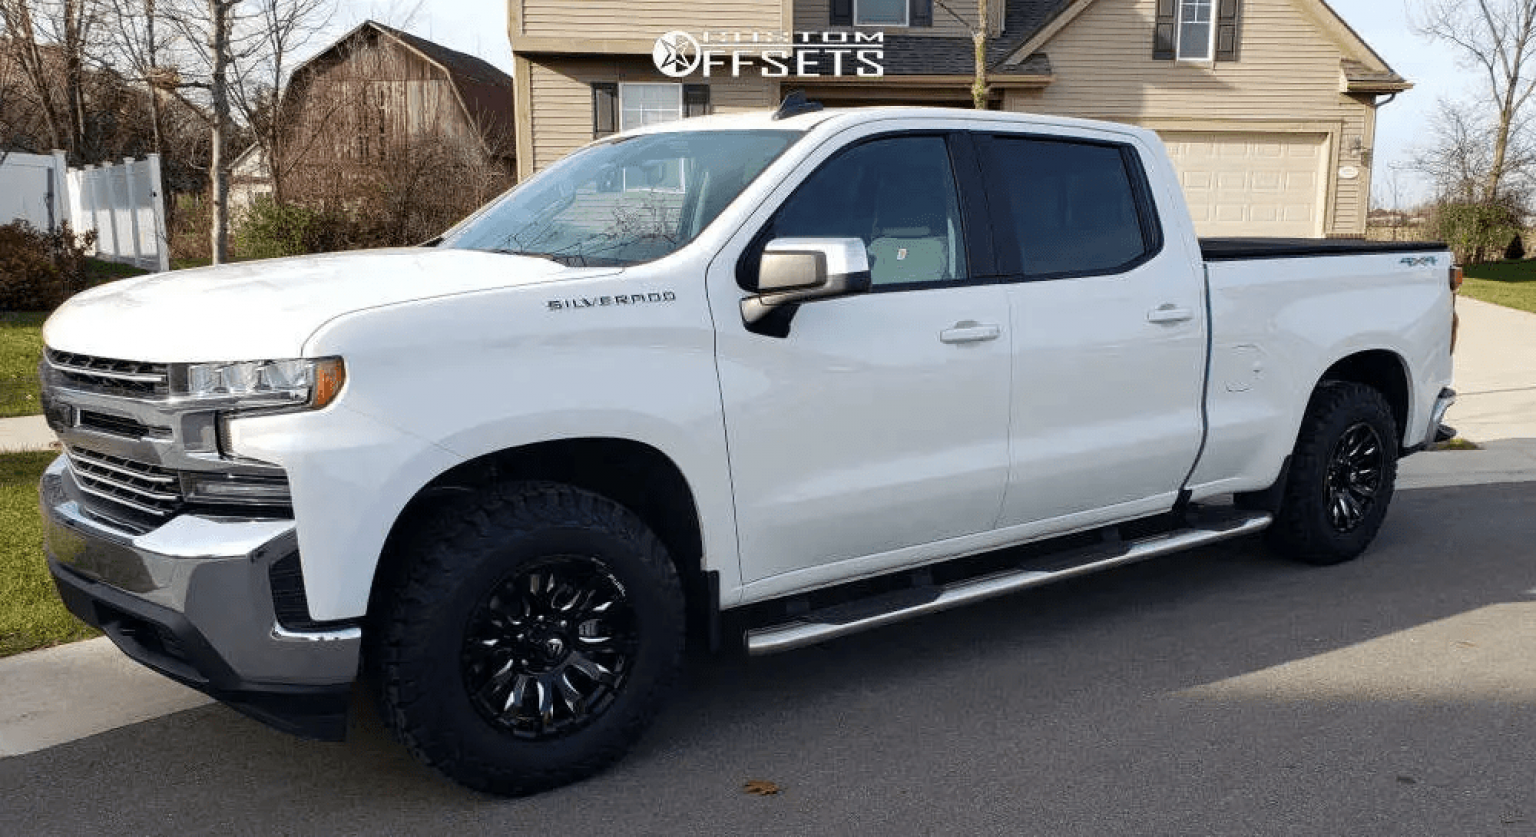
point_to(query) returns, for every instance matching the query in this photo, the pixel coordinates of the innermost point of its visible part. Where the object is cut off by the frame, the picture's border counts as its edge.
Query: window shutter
(695, 100)
(1226, 30)
(605, 109)
(1163, 33)
(920, 12)
(842, 13)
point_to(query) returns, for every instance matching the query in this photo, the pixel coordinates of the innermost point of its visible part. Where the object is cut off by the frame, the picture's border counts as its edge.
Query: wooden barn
(383, 103)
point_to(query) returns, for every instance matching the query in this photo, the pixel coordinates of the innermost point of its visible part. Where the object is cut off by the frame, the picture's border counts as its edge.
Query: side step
(843, 619)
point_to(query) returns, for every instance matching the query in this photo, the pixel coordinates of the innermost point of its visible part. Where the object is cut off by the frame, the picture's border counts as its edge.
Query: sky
(479, 28)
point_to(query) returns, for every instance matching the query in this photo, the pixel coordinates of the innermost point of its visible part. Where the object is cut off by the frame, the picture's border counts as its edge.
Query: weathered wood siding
(1287, 78)
(644, 19)
(561, 100)
(374, 96)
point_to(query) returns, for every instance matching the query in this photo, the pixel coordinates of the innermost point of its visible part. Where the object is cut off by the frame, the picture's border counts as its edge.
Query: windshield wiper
(559, 258)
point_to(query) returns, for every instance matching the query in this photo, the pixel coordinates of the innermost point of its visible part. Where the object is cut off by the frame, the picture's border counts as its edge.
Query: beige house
(1267, 106)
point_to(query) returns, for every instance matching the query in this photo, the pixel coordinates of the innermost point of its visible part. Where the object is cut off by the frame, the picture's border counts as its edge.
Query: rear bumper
(193, 600)
(1436, 432)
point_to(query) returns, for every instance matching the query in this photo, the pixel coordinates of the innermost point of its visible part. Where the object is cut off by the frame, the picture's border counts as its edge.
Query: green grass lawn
(21, 347)
(1512, 284)
(31, 615)
(98, 271)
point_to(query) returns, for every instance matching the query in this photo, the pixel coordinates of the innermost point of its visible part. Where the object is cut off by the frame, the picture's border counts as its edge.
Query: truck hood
(267, 310)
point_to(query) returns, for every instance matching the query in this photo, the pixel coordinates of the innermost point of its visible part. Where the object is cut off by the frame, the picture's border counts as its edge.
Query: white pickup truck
(763, 379)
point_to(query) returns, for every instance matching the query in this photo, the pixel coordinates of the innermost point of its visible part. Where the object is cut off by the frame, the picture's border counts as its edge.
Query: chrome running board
(840, 620)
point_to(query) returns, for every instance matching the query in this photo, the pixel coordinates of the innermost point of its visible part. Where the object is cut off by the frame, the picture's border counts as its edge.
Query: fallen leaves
(761, 787)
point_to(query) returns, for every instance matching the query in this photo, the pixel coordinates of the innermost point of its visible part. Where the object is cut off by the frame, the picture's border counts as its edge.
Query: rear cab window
(1067, 207)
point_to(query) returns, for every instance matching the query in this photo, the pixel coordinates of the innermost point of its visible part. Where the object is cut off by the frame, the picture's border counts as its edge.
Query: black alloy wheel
(1342, 475)
(1353, 477)
(549, 648)
(526, 635)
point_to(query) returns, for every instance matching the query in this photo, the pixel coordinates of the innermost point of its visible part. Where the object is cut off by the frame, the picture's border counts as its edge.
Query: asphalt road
(1221, 692)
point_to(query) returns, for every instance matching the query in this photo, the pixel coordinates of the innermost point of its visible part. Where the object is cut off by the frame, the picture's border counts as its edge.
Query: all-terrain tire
(1342, 476)
(448, 608)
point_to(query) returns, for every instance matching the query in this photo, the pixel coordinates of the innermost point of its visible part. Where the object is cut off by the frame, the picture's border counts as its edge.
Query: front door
(880, 422)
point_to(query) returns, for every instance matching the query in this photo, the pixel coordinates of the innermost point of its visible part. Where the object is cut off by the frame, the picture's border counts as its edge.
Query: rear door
(1108, 327)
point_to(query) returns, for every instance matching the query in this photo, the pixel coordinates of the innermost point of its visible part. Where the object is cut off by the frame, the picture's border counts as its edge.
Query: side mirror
(796, 270)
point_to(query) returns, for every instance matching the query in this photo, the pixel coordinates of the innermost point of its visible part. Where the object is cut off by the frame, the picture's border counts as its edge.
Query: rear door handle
(1170, 313)
(969, 331)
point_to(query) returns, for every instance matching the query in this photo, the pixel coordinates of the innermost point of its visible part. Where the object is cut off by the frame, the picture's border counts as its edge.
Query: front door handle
(1170, 313)
(969, 331)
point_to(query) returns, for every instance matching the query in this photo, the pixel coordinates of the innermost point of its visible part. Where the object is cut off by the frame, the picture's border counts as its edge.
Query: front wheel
(531, 638)
(1342, 476)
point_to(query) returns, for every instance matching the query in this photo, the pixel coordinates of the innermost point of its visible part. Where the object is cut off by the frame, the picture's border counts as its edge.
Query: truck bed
(1229, 249)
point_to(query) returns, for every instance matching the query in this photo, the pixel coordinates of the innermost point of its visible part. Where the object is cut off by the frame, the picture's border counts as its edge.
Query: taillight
(1456, 277)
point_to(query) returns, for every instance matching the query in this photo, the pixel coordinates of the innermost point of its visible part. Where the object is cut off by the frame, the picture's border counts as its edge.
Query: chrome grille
(144, 488)
(115, 377)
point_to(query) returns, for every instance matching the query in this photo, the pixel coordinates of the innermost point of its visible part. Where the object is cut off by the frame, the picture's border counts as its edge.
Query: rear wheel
(1343, 472)
(531, 639)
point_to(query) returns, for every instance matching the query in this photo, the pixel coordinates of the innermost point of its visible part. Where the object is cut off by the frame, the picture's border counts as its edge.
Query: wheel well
(633, 474)
(1384, 372)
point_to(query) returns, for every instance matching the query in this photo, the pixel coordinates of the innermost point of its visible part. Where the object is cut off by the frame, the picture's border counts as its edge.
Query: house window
(649, 104)
(880, 12)
(619, 107)
(1197, 30)
(1196, 34)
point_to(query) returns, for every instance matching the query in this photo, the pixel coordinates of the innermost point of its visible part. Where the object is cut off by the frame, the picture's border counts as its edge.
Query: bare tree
(227, 47)
(1457, 155)
(282, 29)
(56, 44)
(140, 45)
(1497, 37)
(25, 50)
(980, 29)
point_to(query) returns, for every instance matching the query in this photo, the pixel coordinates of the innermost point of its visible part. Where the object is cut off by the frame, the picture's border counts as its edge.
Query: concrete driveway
(1495, 373)
(1217, 692)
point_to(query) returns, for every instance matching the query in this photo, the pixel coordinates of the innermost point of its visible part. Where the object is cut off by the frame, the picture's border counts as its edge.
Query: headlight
(311, 383)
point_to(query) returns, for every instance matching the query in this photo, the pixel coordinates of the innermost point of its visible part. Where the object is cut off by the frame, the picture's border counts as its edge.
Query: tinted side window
(1062, 208)
(897, 196)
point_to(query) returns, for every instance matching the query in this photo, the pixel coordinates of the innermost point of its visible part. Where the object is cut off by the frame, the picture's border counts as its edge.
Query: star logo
(676, 54)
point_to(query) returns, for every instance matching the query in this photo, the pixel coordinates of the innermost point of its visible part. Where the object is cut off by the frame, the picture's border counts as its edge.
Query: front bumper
(193, 600)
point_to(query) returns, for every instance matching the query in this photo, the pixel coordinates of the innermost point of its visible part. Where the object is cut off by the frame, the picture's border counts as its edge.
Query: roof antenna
(795, 104)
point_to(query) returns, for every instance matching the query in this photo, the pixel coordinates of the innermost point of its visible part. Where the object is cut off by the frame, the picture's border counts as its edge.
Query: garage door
(1251, 183)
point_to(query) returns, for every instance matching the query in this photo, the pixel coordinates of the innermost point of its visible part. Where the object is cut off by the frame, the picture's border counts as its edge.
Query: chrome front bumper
(193, 599)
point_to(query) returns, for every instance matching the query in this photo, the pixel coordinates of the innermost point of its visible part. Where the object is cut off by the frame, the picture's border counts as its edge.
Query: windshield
(624, 202)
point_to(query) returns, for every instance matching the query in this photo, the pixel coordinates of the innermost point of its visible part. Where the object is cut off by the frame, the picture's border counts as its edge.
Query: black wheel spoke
(1352, 476)
(591, 669)
(549, 648)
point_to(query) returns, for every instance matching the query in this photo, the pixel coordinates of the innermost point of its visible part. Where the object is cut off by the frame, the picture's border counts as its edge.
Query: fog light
(236, 489)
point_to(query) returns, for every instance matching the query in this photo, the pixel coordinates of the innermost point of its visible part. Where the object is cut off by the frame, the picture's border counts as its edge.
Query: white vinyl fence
(123, 204)
(30, 189)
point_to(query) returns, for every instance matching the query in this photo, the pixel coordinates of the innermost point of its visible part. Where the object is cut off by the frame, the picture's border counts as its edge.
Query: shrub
(1516, 249)
(189, 219)
(269, 230)
(1474, 230)
(40, 269)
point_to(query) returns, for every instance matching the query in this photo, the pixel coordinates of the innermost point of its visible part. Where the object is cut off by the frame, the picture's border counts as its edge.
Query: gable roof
(931, 55)
(484, 91)
(1364, 70)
